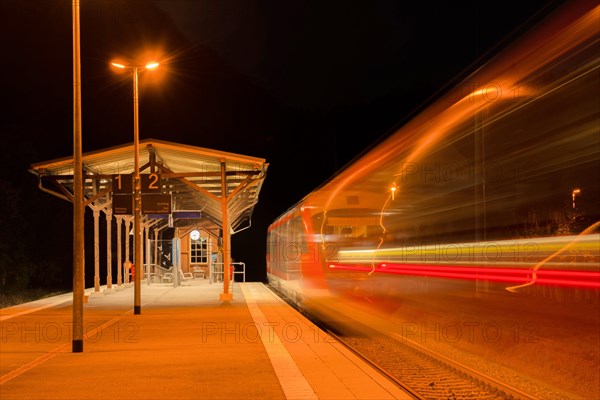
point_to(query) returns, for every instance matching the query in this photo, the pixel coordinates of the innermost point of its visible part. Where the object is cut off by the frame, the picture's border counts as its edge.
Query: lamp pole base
(77, 346)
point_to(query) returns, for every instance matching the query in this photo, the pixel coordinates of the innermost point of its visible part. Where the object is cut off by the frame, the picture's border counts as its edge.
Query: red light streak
(582, 279)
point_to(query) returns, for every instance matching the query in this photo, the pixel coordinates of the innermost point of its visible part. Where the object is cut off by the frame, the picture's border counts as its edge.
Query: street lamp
(137, 204)
(573, 194)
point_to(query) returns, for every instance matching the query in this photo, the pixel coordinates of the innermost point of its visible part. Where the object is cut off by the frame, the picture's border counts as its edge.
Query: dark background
(307, 85)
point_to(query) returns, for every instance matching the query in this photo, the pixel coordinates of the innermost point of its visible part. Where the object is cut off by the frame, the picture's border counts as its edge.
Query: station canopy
(196, 179)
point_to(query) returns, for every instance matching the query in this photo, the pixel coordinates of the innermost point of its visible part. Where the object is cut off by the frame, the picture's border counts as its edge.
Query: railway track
(425, 374)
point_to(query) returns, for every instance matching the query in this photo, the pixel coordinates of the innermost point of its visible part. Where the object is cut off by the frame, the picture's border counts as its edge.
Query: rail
(438, 376)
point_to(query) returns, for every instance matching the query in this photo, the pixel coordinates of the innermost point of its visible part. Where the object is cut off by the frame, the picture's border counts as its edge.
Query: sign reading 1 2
(123, 183)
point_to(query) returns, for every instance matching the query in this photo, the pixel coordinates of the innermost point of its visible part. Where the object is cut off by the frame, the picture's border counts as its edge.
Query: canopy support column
(119, 252)
(226, 295)
(96, 249)
(108, 213)
(127, 242)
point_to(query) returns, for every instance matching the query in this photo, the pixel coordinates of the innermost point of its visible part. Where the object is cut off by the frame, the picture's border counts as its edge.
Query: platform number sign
(122, 184)
(150, 183)
(152, 201)
(122, 187)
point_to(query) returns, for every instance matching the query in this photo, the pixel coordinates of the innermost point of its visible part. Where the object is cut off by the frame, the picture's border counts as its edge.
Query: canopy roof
(193, 176)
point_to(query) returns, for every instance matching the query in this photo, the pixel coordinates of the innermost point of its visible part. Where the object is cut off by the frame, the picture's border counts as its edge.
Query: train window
(346, 231)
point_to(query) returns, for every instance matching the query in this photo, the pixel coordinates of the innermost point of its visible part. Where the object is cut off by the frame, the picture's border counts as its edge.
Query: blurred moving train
(496, 182)
(484, 207)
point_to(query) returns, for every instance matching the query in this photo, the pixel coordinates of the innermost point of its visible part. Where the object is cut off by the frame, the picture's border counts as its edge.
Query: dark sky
(307, 85)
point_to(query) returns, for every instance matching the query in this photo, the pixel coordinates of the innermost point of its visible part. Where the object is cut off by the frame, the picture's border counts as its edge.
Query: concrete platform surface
(185, 344)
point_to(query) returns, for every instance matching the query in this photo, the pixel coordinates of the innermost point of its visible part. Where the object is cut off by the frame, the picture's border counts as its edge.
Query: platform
(185, 344)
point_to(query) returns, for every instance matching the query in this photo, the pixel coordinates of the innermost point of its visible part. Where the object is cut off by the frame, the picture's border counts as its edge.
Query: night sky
(307, 85)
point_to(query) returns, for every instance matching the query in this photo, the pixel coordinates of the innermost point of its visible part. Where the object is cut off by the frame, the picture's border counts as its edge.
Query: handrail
(151, 269)
(214, 271)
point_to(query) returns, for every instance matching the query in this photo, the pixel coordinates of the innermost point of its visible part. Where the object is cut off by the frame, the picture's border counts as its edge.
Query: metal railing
(216, 271)
(154, 273)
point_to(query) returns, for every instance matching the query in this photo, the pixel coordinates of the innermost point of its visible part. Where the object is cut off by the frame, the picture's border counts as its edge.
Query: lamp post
(78, 207)
(574, 193)
(137, 204)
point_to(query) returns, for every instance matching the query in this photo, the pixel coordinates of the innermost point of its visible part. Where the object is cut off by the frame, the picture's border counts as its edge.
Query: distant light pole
(574, 193)
(137, 204)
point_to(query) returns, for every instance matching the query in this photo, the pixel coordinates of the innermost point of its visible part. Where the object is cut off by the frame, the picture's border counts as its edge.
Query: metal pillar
(146, 254)
(225, 296)
(137, 297)
(78, 207)
(96, 249)
(119, 252)
(127, 257)
(108, 248)
(176, 254)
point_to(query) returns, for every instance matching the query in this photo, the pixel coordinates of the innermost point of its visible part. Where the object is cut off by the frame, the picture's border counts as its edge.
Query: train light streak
(574, 279)
(518, 250)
